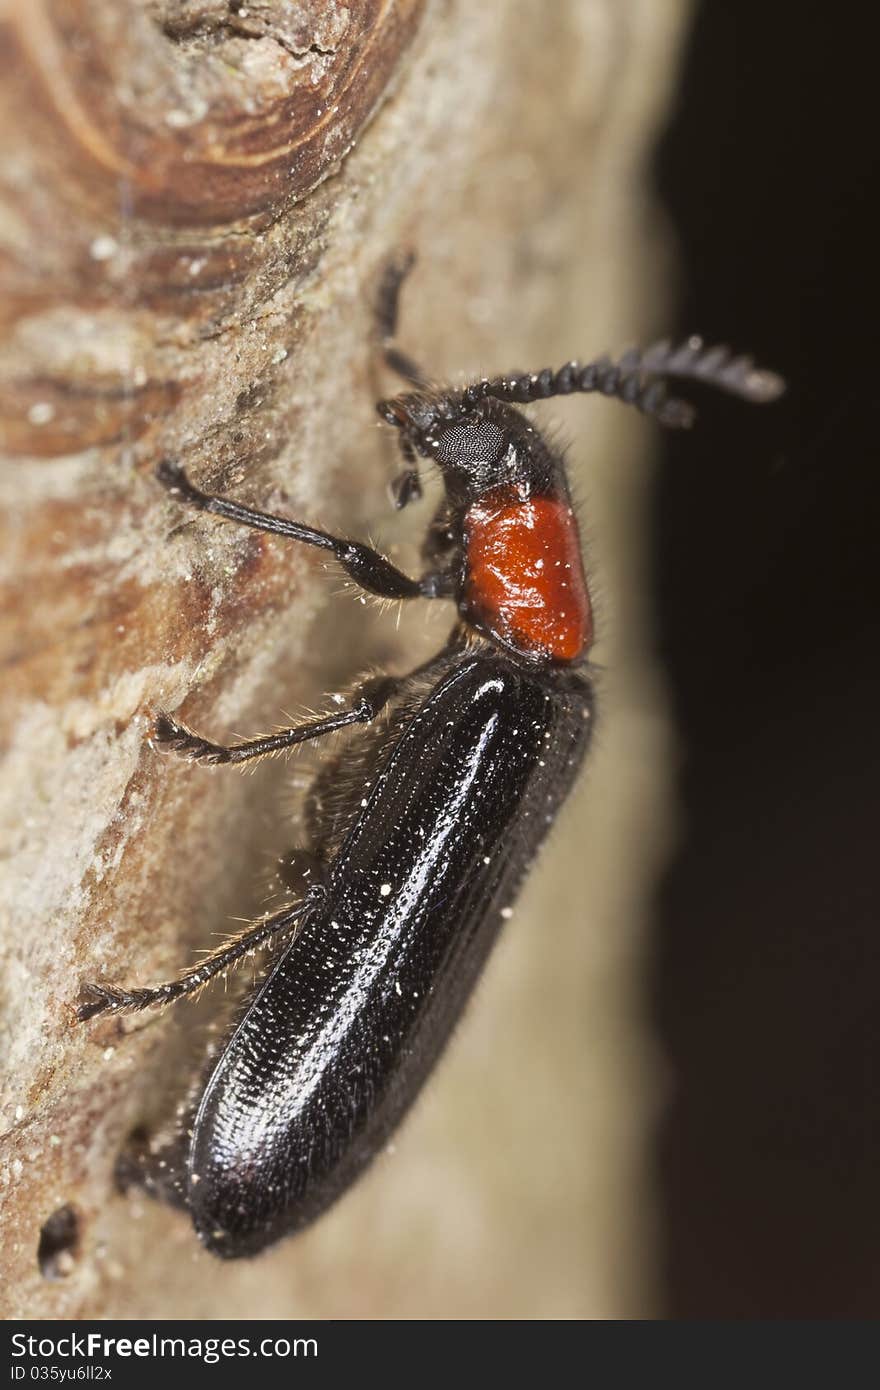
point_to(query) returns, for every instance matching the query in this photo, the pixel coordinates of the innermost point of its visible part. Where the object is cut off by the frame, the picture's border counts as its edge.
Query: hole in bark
(59, 1239)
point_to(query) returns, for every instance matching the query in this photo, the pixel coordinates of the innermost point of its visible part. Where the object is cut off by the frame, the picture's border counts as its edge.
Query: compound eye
(475, 440)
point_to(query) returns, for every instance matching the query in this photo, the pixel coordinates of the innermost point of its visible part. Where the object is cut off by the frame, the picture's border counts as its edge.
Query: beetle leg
(370, 699)
(407, 486)
(366, 566)
(637, 379)
(387, 306)
(98, 999)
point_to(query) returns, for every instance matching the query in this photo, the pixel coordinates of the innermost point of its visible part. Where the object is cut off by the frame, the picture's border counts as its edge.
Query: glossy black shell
(345, 1028)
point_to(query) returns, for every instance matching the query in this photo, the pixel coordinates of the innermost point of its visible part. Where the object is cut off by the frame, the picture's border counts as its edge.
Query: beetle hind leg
(99, 999)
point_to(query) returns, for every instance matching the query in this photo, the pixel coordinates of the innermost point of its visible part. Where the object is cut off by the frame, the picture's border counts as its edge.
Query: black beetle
(461, 769)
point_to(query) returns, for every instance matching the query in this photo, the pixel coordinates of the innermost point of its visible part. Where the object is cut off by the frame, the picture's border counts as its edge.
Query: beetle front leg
(365, 565)
(387, 308)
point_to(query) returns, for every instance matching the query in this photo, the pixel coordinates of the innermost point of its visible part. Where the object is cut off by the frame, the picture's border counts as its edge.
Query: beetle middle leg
(369, 701)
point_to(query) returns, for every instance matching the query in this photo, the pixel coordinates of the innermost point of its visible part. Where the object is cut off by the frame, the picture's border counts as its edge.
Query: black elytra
(461, 769)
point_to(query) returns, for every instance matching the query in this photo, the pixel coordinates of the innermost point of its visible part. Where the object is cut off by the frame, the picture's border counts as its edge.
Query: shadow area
(765, 977)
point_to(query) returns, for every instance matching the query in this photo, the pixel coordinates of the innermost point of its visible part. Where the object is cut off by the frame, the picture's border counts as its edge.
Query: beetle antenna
(637, 379)
(692, 360)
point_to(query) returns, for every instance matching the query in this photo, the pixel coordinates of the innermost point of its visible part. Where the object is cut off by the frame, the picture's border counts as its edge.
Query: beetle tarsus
(177, 738)
(173, 476)
(100, 999)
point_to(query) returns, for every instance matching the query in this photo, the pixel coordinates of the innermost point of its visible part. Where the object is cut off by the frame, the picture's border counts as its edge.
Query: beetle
(452, 782)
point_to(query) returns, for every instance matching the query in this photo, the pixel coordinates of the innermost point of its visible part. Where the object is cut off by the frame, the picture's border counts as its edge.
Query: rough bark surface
(196, 200)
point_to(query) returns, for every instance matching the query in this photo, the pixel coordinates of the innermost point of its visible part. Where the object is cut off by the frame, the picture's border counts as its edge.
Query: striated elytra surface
(352, 1018)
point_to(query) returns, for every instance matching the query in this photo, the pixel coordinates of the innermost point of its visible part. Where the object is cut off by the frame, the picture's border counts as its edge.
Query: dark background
(765, 981)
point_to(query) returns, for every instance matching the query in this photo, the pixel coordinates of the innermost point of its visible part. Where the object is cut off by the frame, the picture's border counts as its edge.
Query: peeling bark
(196, 200)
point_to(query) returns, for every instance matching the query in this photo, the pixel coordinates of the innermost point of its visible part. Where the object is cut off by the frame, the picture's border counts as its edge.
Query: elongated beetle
(463, 765)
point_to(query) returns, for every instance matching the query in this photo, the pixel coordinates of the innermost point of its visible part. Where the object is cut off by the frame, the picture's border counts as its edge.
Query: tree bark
(196, 202)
